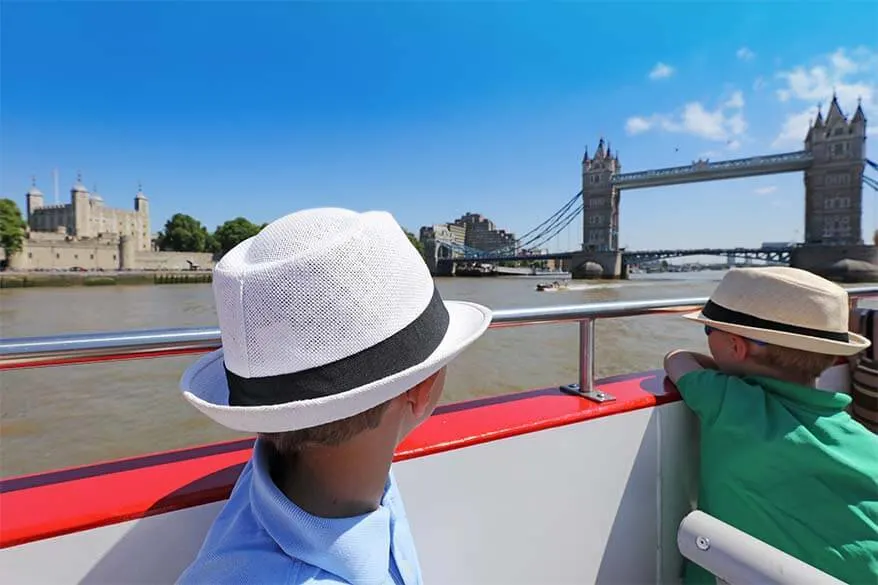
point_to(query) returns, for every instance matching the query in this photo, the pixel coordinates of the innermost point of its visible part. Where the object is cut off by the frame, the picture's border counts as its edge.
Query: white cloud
(733, 145)
(736, 101)
(636, 125)
(765, 190)
(745, 54)
(848, 74)
(726, 123)
(661, 71)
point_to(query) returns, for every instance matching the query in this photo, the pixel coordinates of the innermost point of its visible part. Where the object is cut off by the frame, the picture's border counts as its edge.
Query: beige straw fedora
(783, 306)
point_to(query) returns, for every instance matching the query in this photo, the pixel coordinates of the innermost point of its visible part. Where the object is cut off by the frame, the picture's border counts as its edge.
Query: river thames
(74, 415)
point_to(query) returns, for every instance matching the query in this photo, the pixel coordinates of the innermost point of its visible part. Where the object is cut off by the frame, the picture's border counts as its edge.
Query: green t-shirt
(786, 464)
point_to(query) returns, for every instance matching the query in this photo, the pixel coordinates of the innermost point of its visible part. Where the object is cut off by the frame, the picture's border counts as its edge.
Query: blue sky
(428, 110)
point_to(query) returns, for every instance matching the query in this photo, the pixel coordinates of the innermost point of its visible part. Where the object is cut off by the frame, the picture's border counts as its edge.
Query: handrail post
(586, 355)
(585, 388)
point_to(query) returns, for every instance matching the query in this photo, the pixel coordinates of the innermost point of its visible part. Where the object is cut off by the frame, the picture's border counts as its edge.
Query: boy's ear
(419, 396)
(740, 347)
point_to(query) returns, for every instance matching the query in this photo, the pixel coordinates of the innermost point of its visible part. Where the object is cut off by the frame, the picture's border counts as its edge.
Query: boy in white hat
(780, 459)
(335, 343)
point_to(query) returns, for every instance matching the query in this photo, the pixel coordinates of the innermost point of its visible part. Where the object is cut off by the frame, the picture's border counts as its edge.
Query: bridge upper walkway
(632, 257)
(711, 171)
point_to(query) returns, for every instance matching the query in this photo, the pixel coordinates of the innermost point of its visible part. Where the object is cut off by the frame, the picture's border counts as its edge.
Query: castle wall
(172, 260)
(86, 216)
(63, 255)
(60, 254)
(49, 218)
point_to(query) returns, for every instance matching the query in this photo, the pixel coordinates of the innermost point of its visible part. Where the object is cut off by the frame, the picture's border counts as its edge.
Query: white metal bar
(58, 350)
(738, 558)
(586, 356)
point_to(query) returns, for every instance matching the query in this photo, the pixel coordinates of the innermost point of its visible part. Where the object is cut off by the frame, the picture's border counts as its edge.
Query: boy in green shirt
(780, 459)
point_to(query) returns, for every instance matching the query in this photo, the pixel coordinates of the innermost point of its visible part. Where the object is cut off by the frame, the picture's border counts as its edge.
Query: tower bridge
(704, 170)
(832, 162)
(775, 255)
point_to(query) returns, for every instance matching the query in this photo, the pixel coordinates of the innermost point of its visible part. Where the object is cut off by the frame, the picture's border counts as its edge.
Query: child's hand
(705, 361)
(679, 362)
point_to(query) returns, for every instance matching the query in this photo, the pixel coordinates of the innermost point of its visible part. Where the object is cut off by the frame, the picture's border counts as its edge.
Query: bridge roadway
(635, 257)
(699, 171)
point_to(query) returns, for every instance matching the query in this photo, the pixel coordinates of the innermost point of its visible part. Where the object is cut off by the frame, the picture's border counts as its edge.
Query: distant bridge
(780, 255)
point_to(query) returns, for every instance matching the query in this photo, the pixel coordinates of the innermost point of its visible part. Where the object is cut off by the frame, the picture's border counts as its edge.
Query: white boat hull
(533, 488)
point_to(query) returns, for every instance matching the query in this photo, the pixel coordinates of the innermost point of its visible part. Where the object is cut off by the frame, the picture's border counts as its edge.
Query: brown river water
(74, 415)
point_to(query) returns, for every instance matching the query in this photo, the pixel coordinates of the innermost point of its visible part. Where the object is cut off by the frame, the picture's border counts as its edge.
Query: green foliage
(415, 242)
(233, 232)
(12, 227)
(184, 233)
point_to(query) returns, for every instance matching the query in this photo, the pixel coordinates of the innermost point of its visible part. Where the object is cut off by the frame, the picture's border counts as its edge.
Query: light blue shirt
(260, 536)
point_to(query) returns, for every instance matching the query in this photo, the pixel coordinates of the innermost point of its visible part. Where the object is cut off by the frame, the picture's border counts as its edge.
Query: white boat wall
(543, 486)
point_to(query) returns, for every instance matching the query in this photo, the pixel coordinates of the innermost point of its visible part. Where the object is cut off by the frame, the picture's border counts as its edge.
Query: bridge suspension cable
(537, 234)
(551, 230)
(560, 211)
(557, 228)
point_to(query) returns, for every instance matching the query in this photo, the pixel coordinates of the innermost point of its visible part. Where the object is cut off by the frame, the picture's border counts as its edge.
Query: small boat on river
(585, 482)
(551, 287)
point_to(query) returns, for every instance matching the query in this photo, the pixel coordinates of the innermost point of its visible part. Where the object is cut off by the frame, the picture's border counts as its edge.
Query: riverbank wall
(62, 279)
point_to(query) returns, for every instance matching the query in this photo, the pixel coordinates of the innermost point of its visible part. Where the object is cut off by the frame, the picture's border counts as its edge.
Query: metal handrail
(737, 557)
(33, 352)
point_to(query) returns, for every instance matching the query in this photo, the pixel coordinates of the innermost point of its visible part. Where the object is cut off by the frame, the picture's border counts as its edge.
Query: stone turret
(80, 201)
(834, 182)
(600, 254)
(600, 199)
(34, 198)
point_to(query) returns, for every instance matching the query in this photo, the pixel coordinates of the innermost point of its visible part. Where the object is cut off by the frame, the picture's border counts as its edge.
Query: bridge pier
(589, 265)
(441, 267)
(838, 263)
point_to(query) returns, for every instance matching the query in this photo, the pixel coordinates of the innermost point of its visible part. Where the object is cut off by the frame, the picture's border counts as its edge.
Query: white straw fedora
(324, 314)
(783, 306)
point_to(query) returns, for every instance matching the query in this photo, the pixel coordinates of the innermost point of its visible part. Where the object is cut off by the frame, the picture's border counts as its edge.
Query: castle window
(91, 256)
(838, 149)
(838, 132)
(30, 254)
(57, 256)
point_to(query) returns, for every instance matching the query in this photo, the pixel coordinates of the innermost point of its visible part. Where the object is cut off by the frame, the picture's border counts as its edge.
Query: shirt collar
(825, 400)
(356, 549)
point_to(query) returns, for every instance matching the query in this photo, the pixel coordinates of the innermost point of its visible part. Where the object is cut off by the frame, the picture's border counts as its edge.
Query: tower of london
(87, 217)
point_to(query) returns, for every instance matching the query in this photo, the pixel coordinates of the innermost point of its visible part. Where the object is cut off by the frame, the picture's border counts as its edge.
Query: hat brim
(204, 383)
(855, 345)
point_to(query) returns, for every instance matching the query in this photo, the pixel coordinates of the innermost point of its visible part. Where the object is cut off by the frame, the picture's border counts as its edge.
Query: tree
(184, 233)
(12, 227)
(415, 242)
(233, 232)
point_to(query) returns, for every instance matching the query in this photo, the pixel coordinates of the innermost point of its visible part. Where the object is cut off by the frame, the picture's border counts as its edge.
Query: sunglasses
(708, 330)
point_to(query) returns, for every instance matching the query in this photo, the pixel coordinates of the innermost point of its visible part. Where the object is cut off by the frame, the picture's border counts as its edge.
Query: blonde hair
(793, 361)
(327, 435)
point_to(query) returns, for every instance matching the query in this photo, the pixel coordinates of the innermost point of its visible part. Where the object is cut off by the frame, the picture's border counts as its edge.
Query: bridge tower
(600, 200)
(600, 255)
(834, 182)
(834, 246)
